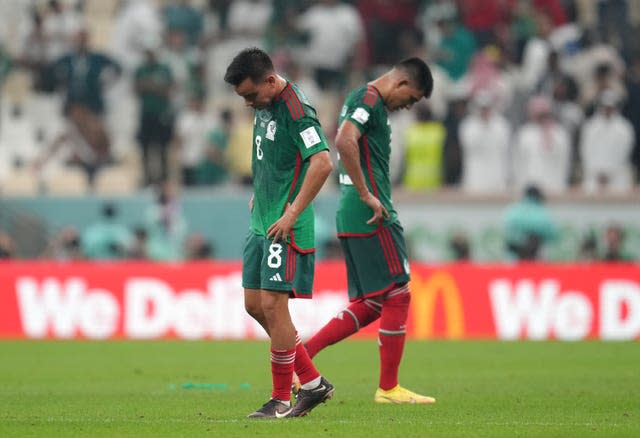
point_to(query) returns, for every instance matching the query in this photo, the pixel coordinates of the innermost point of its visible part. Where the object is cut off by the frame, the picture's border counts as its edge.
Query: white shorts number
(259, 153)
(274, 260)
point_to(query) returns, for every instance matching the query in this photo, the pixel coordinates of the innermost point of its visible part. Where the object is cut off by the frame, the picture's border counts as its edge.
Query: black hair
(252, 63)
(109, 210)
(534, 193)
(419, 73)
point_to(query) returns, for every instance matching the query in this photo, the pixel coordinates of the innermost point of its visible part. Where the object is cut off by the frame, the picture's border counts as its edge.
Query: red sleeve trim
(367, 158)
(370, 96)
(293, 103)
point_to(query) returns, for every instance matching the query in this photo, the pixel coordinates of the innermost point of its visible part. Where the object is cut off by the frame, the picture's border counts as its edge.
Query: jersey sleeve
(308, 136)
(358, 112)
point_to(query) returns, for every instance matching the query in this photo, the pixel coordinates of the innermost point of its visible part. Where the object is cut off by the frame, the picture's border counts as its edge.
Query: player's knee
(270, 306)
(254, 309)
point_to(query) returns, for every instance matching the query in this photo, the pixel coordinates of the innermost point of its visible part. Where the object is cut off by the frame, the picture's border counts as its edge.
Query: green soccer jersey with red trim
(365, 108)
(285, 135)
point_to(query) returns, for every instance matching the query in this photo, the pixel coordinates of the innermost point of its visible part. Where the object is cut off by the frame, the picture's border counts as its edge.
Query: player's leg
(314, 389)
(251, 277)
(266, 307)
(359, 314)
(346, 323)
(253, 306)
(392, 332)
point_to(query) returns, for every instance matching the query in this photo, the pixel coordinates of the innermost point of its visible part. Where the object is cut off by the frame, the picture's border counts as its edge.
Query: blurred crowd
(108, 96)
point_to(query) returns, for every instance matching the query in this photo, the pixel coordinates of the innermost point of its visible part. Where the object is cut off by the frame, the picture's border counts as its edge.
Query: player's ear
(271, 79)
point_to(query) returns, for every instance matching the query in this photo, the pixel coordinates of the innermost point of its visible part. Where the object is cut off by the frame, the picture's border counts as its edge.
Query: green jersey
(285, 135)
(365, 109)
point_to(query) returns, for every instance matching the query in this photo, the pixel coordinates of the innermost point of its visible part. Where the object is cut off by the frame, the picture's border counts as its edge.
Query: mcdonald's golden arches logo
(424, 295)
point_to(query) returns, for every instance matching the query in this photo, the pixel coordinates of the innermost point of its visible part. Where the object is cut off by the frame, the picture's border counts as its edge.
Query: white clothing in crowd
(485, 142)
(606, 144)
(542, 157)
(334, 30)
(192, 131)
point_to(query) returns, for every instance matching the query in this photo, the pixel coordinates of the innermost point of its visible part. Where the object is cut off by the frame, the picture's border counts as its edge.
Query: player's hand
(251, 203)
(379, 212)
(282, 227)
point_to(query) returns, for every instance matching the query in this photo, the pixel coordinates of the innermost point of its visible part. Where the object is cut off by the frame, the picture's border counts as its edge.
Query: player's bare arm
(320, 167)
(347, 144)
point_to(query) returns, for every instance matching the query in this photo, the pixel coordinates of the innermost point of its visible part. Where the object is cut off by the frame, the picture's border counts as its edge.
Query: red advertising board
(204, 301)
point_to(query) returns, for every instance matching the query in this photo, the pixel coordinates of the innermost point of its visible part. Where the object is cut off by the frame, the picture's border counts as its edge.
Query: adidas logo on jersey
(276, 277)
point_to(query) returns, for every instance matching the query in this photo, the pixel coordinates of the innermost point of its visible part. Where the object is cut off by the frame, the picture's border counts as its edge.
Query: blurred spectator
(432, 13)
(334, 31)
(166, 225)
(60, 24)
(522, 27)
(136, 23)
(596, 67)
(182, 16)
(137, 249)
(588, 250)
(252, 30)
(482, 17)
(182, 60)
(424, 145)
(632, 109)
(7, 248)
(489, 73)
(553, 75)
(197, 248)
(604, 79)
(571, 116)
(528, 226)
(240, 147)
(614, 250)
(213, 169)
(386, 23)
(83, 74)
(613, 23)
(65, 246)
(452, 155)
(484, 138)
(153, 85)
(191, 138)
(107, 238)
(542, 150)
(456, 48)
(42, 44)
(606, 145)
(459, 247)
(536, 54)
(555, 9)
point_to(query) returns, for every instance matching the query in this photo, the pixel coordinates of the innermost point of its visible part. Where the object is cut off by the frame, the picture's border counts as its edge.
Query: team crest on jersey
(264, 115)
(271, 131)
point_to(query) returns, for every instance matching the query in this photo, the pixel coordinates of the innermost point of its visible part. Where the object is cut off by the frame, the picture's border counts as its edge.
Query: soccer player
(368, 227)
(290, 163)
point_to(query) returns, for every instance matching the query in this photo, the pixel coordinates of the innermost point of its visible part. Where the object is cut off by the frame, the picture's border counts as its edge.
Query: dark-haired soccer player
(368, 226)
(290, 163)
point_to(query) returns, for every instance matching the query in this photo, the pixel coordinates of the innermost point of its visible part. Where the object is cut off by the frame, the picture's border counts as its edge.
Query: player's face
(403, 96)
(257, 95)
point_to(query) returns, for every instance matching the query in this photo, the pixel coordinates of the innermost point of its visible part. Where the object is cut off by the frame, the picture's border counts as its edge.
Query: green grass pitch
(135, 389)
